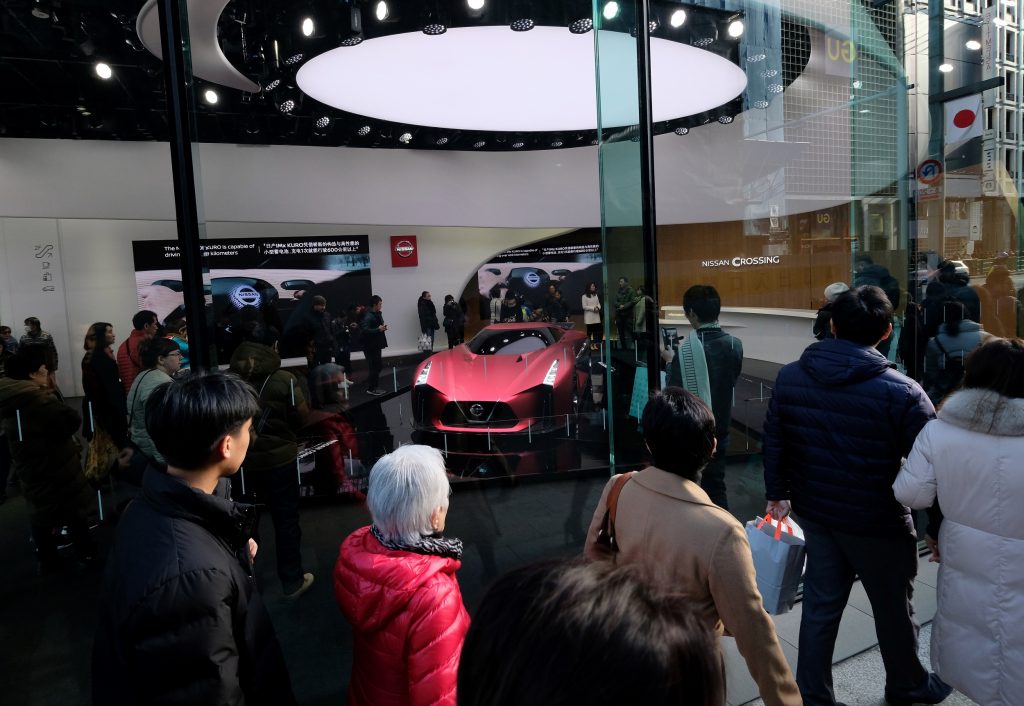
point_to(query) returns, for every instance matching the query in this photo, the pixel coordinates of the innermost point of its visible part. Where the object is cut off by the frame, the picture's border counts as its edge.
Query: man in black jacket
(375, 340)
(839, 422)
(181, 621)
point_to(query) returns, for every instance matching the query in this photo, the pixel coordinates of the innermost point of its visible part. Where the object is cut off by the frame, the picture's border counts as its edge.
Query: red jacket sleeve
(126, 369)
(435, 641)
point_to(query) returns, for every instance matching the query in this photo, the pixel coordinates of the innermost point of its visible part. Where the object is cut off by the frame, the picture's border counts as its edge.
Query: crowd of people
(850, 446)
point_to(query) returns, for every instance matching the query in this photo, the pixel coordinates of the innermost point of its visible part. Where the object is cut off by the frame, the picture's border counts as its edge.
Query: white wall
(98, 279)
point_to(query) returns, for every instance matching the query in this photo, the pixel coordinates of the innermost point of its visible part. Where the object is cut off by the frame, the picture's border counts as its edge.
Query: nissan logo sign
(243, 295)
(477, 410)
(532, 279)
(404, 248)
(743, 261)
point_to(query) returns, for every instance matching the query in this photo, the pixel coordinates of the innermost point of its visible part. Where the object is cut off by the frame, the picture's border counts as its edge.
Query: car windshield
(511, 341)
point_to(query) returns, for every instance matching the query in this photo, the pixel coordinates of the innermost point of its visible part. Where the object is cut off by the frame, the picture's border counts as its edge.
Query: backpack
(952, 374)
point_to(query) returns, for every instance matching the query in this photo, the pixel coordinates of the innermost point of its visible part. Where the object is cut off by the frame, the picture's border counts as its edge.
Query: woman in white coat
(972, 459)
(592, 315)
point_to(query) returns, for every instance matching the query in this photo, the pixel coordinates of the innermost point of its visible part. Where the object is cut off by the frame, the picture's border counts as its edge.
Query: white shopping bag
(778, 549)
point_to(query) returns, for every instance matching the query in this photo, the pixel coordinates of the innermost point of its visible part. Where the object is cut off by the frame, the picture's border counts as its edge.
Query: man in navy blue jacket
(839, 423)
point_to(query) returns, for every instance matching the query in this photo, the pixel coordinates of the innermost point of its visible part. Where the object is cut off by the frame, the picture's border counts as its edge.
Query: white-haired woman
(395, 582)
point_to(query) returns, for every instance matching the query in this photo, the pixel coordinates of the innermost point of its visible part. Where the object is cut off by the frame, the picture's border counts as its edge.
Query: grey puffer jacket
(839, 422)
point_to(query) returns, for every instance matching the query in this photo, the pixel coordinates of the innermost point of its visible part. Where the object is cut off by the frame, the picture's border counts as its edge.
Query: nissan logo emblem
(404, 248)
(477, 410)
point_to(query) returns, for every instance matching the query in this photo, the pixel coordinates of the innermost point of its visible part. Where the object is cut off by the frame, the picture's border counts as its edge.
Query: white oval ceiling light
(945, 68)
(103, 70)
(973, 44)
(308, 27)
(382, 11)
(210, 96)
(475, 4)
(611, 10)
(736, 29)
(397, 78)
(678, 18)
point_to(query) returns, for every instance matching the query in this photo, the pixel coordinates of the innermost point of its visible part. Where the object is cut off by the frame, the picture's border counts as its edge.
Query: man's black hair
(704, 302)
(143, 319)
(375, 300)
(862, 315)
(188, 417)
(151, 350)
(680, 432)
(33, 322)
(25, 362)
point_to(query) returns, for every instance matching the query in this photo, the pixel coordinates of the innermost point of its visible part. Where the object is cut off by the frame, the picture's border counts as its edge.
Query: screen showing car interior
(510, 342)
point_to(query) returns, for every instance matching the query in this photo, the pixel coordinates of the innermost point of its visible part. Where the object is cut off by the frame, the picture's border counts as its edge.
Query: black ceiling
(49, 48)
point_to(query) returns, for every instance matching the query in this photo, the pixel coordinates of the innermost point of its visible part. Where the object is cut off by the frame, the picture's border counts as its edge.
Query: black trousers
(595, 332)
(278, 489)
(886, 567)
(373, 360)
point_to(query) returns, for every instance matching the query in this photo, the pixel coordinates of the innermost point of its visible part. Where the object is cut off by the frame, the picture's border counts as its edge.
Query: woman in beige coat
(666, 524)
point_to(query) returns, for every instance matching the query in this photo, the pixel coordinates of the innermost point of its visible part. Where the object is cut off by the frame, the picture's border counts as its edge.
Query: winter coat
(971, 459)
(369, 328)
(685, 543)
(129, 364)
(180, 620)
(879, 276)
(45, 341)
(839, 422)
(104, 405)
(945, 357)
(408, 620)
(591, 309)
(724, 355)
(427, 311)
(45, 453)
(625, 298)
(142, 388)
(333, 423)
(283, 406)
(454, 319)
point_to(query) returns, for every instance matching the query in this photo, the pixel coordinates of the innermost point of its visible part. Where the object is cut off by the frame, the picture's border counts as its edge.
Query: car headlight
(549, 379)
(421, 379)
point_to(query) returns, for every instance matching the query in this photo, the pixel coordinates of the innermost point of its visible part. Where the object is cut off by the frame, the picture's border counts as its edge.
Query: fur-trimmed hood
(985, 412)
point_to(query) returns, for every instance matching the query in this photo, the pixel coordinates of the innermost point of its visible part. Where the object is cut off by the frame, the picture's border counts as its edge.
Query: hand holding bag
(778, 561)
(425, 344)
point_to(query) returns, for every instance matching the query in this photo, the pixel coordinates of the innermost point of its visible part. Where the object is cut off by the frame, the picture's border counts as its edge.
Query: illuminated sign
(743, 261)
(404, 251)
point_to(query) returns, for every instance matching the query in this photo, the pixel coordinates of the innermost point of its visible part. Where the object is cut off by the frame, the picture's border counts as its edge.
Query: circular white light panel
(490, 78)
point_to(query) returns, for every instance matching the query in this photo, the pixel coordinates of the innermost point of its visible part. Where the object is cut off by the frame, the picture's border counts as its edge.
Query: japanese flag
(964, 119)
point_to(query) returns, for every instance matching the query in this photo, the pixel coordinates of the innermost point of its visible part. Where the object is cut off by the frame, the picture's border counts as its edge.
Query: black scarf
(439, 546)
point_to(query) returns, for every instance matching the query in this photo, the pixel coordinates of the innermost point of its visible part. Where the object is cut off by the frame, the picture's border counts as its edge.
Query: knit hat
(835, 289)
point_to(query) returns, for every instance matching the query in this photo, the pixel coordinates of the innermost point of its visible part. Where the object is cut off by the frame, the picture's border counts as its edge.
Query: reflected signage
(743, 261)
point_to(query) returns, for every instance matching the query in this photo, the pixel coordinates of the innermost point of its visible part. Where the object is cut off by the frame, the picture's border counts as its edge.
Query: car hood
(462, 375)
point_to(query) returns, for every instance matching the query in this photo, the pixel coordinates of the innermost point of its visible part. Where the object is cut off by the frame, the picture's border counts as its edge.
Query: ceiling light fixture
(479, 143)
(611, 10)
(363, 131)
(322, 122)
(382, 11)
(725, 119)
(581, 26)
(286, 107)
(351, 41)
(405, 138)
(40, 11)
(736, 29)
(760, 104)
(308, 27)
(678, 18)
(293, 59)
(103, 70)
(518, 145)
(434, 28)
(945, 68)
(682, 130)
(973, 44)
(475, 4)
(524, 24)
(210, 96)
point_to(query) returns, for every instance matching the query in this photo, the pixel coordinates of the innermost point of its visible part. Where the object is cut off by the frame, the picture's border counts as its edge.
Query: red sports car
(508, 378)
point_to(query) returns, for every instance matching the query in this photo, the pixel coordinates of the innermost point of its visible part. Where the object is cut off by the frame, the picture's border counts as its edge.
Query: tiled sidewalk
(858, 672)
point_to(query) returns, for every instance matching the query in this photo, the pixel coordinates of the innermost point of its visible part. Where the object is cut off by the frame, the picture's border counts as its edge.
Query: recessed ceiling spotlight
(293, 59)
(103, 70)
(611, 10)
(857, 84)
(682, 130)
(479, 143)
(351, 41)
(678, 18)
(703, 42)
(945, 68)
(405, 138)
(363, 131)
(518, 145)
(973, 44)
(441, 141)
(435, 28)
(308, 27)
(725, 119)
(754, 58)
(761, 104)
(272, 85)
(322, 122)
(652, 26)
(210, 96)
(557, 142)
(581, 26)
(286, 106)
(524, 24)
(382, 11)
(475, 4)
(736, 29)
(775, 88)
(769, 73)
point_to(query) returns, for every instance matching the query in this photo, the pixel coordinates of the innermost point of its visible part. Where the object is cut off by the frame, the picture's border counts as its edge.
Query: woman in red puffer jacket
(395, 582)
